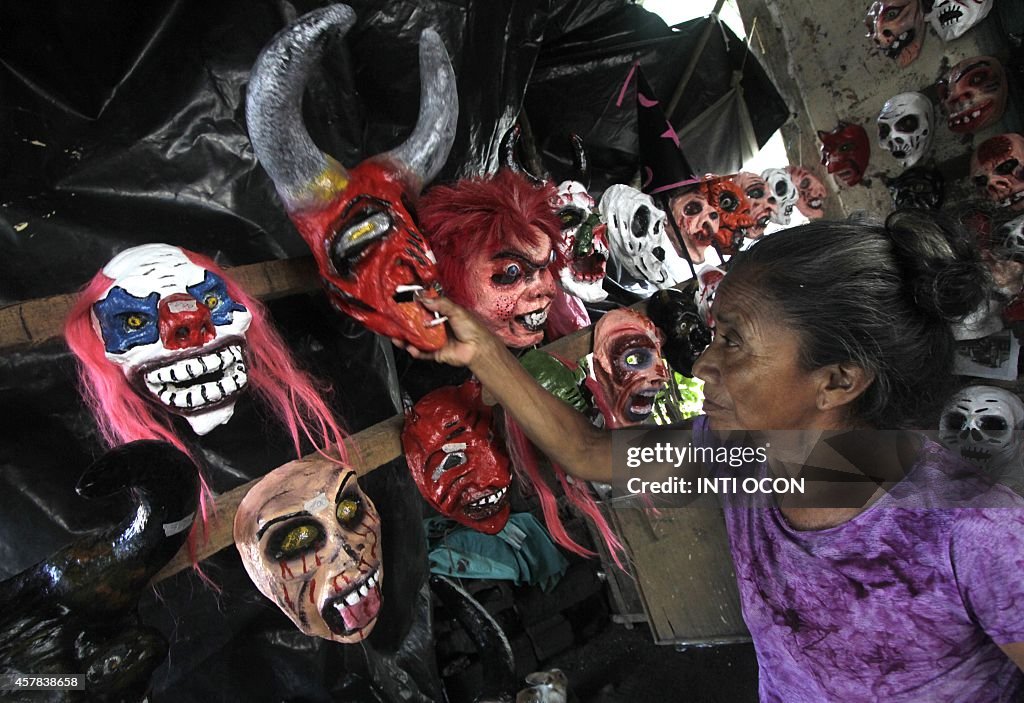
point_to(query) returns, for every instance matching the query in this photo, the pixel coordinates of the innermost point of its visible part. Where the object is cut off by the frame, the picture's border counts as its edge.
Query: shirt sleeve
(987, 551)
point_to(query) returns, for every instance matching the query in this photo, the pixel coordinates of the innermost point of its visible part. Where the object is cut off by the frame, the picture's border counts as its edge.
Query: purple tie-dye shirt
(905, 602)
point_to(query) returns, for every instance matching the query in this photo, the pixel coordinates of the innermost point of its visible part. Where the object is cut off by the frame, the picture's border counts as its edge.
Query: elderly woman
(915, 593)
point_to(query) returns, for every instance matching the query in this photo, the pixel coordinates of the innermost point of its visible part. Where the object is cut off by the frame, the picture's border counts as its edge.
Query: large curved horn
(508, 157)
(303, 175)
(425, 151)
(580, 165)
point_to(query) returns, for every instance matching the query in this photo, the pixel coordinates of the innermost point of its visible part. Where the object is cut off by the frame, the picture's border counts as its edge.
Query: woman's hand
(468, 340)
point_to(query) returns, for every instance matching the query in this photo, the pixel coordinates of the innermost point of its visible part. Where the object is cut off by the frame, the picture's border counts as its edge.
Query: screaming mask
(917, 187)
(783, 189)
(734, 212)
(905, 127)
(368, 250)
(309, 539)
(584, 245)
(973, 94)
(986, 426)
(636, 233)
(997, 170)
(845, 152)
(176, 333)
(897, 29)
(626, 370)
(763, 205)
(812, 192)
(458, 465)
(697, 221)
(951, 18)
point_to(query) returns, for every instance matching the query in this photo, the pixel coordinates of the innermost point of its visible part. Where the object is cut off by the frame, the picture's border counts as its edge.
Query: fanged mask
(584, 244)
(763, 205)
(459, 466)
(997, 170)
(734, 212)
(951, 18)
(369, 252)
(973, 94)
(310, 540)
(812, 192)
(845, 152)
(905, 127)
(784, 190)
(897, 29)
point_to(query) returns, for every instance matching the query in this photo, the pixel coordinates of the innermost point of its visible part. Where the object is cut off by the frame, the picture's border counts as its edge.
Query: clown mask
(997, 170)
(845, 152)
(783, 189)
(176, 333)
(626, 369)
(905, 127)
(636, 233)
(973, 94)
(734, 212)
(951, 18)
(897, 29)
(763, 205)
(584, 245)
(459, 467)
(310, 540)
(370, 254)
(812, 192)
(697, 221)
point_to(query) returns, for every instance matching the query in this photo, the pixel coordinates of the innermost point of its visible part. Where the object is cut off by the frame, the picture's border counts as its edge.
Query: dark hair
(880, 296)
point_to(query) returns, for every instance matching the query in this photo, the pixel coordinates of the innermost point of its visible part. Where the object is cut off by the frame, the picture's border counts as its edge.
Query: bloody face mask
(176, 333)
(734, 212)
(812, 192)
(897, 29)
(697, 221)
(997, 170)
(371, 256)
(584, 244)
(458, 465)
(917, 187)
(626, 369)
(310, 540)
(951, 18)
(973, 94)
(763, 205)
(845, 152)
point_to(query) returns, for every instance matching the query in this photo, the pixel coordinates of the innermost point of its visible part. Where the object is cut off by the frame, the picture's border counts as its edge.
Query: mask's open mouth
(951, 15)
(356, 608)
(901, 42)
(1014, 201)
(975, 455)
(640, 405)
(487, 504)
(968, 119)
(533, 321)
(589, 269)
(814, 203)
(203, 381)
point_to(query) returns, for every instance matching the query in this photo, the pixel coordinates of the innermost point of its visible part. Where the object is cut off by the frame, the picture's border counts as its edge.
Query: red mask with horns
(370, 254)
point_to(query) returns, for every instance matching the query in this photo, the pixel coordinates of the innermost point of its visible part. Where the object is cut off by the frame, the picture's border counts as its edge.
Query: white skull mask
(176, 333)
(636, 233)
(905, 127)
(584, 245)
(951, 18)
(781, 184)
(1008, 240)
(986, 426)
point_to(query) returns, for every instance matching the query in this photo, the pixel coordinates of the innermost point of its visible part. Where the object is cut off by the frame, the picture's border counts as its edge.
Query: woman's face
(752, 376)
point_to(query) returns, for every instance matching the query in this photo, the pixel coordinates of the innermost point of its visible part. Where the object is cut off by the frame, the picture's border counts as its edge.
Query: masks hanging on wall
(636, 233)
(458, 464)
(309, 539)
(897, 29)
(997, 170)
(763, 205)
(626, 371)
(785, 192)
(951, 18)
(584, 245)
(368, 249)
(845, 152)
(985, 425)
(905, 127)
(734, 212)
(973, 94)
(812, 192)
(697, 221)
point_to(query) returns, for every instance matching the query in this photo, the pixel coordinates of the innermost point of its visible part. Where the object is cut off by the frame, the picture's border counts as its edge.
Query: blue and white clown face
(175, 332)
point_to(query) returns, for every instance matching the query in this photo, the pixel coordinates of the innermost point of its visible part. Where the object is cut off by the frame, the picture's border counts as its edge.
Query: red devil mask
(457, 463)
(734, 212)
(973, 94)
(845, 152)
(371, 257)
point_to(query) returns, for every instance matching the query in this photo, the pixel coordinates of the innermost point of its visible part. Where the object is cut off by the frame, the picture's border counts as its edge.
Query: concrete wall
(827, 70)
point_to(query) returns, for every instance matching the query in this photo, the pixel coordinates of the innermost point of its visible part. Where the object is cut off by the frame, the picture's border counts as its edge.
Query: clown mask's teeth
(200, 380)
(183, 371)
(490, 500)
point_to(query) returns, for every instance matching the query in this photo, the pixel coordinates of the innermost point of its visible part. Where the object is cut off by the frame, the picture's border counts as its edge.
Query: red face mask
(734, 212)
(455, 460)
(845, 152)
(973, 94)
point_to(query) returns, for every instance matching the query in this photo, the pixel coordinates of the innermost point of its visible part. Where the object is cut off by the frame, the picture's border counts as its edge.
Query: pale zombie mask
(905, 127)
(368, 250)
(584, 245)
(812, 192)
(897, 29)
(626, 370)
(310, 540)
(951, 18)
(734, 212)
(459, 466)
(917, 187)
(845, 152)
(783, 189)
(763, 205)
(973, 94)
(636, 233)
(175, 332)
(697, 221)
(997, 170)
(986, 426)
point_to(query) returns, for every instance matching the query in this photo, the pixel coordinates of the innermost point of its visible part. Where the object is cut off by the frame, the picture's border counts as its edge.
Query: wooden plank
(41, 320)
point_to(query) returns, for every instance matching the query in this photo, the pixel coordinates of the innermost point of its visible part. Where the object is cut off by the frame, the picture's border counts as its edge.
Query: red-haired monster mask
(812, 192)
(845, 152)
(973, 94)
(369, 251)
(734, 212)
(458, 465)
(997, 170)
(897, 29)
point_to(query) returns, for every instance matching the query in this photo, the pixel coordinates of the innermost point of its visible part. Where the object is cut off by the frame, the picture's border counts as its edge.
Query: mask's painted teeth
(357, 594)
(178, 385)
(489, 500)
(534, 321)
(1013, 199)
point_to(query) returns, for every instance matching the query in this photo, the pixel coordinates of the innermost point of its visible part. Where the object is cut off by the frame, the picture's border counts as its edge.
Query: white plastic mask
(636, 233)
(905, 127)
(1008, 240)
(986, 426)
(951, 18)
(176, 333)
(584, 245)
(781, 185)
